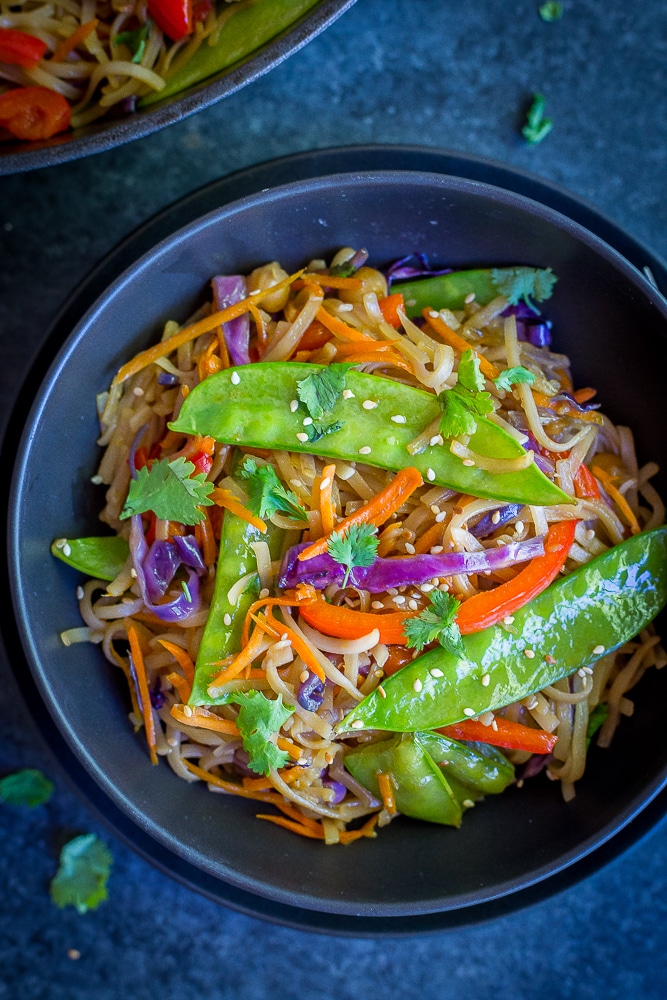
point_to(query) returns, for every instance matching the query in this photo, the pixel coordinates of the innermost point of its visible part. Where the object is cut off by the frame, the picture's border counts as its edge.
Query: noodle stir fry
(334, 497)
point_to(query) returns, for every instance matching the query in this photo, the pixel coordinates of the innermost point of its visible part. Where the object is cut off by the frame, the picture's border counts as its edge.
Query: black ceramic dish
(105, 134)
(506, 845)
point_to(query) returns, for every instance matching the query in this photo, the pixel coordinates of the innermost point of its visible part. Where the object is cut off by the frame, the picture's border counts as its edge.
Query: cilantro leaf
(436, 624)
(526, 283)
(258, 720)
(357, 546)
(551, 11)
(344, 270)
(319, 428)
(28, 787)
(514, 376)
(456, 419)
(170, 490)
(537, 127)
(320, 391)
(81, 879)
(267, 495)
(465, 400)
(469, 374)
(135, 41)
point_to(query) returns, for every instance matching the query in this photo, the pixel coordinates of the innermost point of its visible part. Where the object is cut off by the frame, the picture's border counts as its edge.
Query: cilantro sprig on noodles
(259, 719)
(267, 495)
(466, 400)
(357, 546)
(170, 490)
(514, 376)
(436, 624)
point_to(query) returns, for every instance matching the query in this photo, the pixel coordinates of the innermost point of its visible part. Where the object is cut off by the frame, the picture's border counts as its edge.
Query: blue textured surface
(421, 72)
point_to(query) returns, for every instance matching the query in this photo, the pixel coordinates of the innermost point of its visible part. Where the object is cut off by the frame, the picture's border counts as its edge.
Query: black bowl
(108, 133)
(607, 317)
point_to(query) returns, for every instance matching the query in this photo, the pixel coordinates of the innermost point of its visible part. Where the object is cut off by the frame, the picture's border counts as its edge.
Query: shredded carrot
(248, 653)
(209, 363)
(206, 539)
(304, 593)
(181, 685)
(260, 325)
(142, 685)
(295, 827)
(194, 330)
(367, 830)
(458, 342)
(617, 497)
(72, 42)
(340, 329)
(225, 498)
(201, 718)
(182, 658)
(291, 748)
(432, 536)
(389, 307)
(369, 353)
(299, 645)
(257, 784)
(583, 395)
(290, 774)
(387, 792)
(378, 510)
(333, 281)
(289, 810)
(231, 786)
(327, 512)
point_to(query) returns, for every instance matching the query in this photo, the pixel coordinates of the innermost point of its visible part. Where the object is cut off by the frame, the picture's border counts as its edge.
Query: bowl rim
(68, 349)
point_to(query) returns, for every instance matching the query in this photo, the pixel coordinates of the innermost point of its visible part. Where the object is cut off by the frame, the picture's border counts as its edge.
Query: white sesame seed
(59, 542)
(470, 297)
(494, 726)
(377, 605)
(348, 394)
(417, 686)
(529, 654)
(138, 391)
(235, 378)
(426, 588)
(519, 783)
(79, 593)
(325, 482)
(369, 404)
(434, 508)
(433, 314)
(96, 480)
(345, 307)
(409, 548)
(382, 691)
(508, 619)
(468, 803)
(549, 659)
(302, 436)
(413, 605)
(303, 676)
(469, 712)
(495, 517)
(398, 418)
(399, 599)
(435, 551)
(263, 593)
(468, 462)
(307, 421)
(436, 439)
(486, 718)
(392, 591)
(294, 405)
(486, 680)
(441, 516)
(436, 672)
(590, 534)
(598, 650)
(430, 475)
(357, 724)
(519, 527)
(67, 549)
(580, 672)
(227, 619)
(133, 573)
(187, 711)
(366, 450)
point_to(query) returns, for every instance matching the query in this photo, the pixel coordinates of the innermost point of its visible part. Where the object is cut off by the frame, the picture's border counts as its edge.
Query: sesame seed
(486, 680)
(382, 691)
(494, 726)
(79, 593)
(369, 404)
(598, 650)
(468, 462)
(302, 762)
(435, 551)
(436, 672)
(325, 482)
(138, 391)
(187, 711)
(469, 712)
(348, 394)
(399, 599)
(436, 439)
(434, 508)
(508, 619)
(303, 676)
(433, 314)
(413, 605)
(366, 450)
(227, 619)
(430, 475)
(357, 724)
(417, 686)
(409, 547)
(426, 588)
(590, 534)
(529, 654)
(441, 516)
(294, 405)
(302, 436)
(468, 803)
(263, 593)
(486, 718)
(495, 517)
(133, 573)
(392, 591)
(580, 672)
(550, 659)
(345, 307)
(97, 480)
(67, 549)
(377, 605)
(398, 418)
(235, 378)
(307, 421)
(519, 783)
(519, 527)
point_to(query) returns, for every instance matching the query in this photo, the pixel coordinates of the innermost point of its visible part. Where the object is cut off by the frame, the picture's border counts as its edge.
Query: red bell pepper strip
(173, 17)
(346, 623)
(510, 735)
(20, 49)
(491, 606)
(34, 113)
(585, 483)
(389, 307)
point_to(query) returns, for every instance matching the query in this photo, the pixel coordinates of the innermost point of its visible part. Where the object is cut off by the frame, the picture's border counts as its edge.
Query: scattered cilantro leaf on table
(267, 495)
(357, 546)
(28, 787)
(466, 400)
(537, 126)
(551, 11)
(527, 283)
(514, 376)
(170, 490)
(436, 624)
(83, 871)
(258, 720)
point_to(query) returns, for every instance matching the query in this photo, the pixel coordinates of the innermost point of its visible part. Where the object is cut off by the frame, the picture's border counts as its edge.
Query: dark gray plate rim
(213, 196)
(98, 137)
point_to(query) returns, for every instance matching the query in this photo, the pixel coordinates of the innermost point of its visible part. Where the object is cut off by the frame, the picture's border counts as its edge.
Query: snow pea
(250, 406)
(477, 767)
(247, 30)
(579, 618)
(446, 291)
(101, 557)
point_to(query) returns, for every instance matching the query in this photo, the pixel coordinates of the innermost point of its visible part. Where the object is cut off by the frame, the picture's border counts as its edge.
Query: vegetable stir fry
(371, 553)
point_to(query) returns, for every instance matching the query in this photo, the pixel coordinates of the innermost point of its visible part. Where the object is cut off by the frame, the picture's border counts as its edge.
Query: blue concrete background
(437, 73)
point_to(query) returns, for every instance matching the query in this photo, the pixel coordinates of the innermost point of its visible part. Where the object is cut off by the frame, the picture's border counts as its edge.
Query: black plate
(108, 133)
(634, 823)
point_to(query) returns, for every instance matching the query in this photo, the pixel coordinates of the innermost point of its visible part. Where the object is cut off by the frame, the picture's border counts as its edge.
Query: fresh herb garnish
(267, 495)
(346, 269)
(357, 546)
(551, 11)
(514, 376)
(135, 41)
(170, 490)
(319, 428)
(320, 391)
(81, 879)
(527, 283)
(537, 127)
(28, 787)
(436, 624)
(258, 720)
(466, 400)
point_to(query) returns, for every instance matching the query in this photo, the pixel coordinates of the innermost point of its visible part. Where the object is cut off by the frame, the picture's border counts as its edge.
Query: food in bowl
(373, 553)
(95, 60)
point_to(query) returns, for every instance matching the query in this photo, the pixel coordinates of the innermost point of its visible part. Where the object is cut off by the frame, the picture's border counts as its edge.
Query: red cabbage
(311, 693)
(487, 525)
(156, 568)
(415, 265)
(227, 291)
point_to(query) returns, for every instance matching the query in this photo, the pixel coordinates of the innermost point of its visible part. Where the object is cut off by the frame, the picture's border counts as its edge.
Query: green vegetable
(28, 787)
(258, 720)
(135, 41)
(449, 291)
(267, 495)
(251, 27)
(263, 395)
(514, 376)
(580, 617)
(436, 624)
(357, 546)
(551, 11)
(595, 721)
(466, 400)
(320, 391)
(537, 127)
(100, 557)
(81, 879)
(479, 767)
(170, 490)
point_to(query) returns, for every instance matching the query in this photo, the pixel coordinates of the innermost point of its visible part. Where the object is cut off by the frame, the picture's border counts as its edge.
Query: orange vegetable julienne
(142, 686)
(182, 658)
(458, 342)
(301, 648)
(387, 792)
(375, 352)
(201, 718)
(389, 307)
(249, 651)
(340, 329)
(292, 825)
(70, 43)
(378, 510)
(225, 498)
(507, 734)
(333, 280)
(304, 593)
(585, 483)
(346, 623)
(33, 113)
(327, 512)
(617, 497)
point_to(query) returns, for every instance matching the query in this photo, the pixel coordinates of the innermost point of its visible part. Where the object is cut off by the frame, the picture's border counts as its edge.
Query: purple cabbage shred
(311, 693)
(415, 265)
(227, 291)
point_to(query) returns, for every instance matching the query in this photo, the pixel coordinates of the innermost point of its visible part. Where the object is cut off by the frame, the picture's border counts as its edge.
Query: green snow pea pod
(101, 557)
(579, 618)
(250, 406)
(446, 291)
(476, 767)
(247, 30)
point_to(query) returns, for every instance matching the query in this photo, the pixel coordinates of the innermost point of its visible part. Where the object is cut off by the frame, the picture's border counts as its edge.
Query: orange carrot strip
(389, 307)
(367, 830)
(181, 685)
(72, 42)
(182, 658)
(458, 342)
(201, 718)
(260, 326)
(304, 831)
(303, 593)
(378, 510)
(333, 280)
(244, 659)
(225, 498)
(583, 395)
(432, 536)
(300, 647)
(289, 810)
(206, 539)
(327, 512)
(142, 685)
(346, 623)
(387, 792)
(358, 354)
(618, 498)
(340, 329)
(291, 748)
(257, 784)
(195, 330)
(231, 786)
